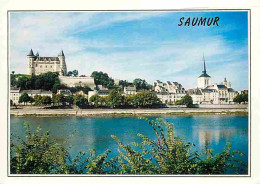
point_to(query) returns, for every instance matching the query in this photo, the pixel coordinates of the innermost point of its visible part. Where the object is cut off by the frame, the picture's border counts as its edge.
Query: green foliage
(145, 99)
(103, 79)
(114, 98)
(97, 101)
(38, 154)
(46, 100)
(85, 89)
(24, 98)
(141, 84)
(38, 100)
(166, 154)
(186, 100)
(74, 73)
(69, 100)
(46, 81)
(241, 98)
(80, 101)
(58, 99)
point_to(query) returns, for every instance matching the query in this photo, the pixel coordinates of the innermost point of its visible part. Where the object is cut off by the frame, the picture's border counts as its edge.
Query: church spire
(204, 66)
(204, 71)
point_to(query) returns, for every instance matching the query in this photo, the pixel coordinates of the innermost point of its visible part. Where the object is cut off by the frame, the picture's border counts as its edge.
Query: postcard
(151, 93)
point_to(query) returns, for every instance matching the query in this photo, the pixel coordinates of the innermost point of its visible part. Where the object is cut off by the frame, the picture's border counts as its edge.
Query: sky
(128, 45)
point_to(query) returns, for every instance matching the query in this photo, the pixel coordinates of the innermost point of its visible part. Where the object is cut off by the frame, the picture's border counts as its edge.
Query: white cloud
(179, 60)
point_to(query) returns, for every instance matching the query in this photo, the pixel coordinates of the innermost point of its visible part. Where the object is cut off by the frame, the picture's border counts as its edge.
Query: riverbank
(123, 112)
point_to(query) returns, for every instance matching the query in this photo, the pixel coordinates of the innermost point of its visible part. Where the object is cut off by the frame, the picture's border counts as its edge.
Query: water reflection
(95, 133)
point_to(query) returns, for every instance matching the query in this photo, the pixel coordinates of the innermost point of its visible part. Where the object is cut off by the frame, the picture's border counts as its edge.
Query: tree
(37, 99)
(24, 98)
(141, 84)
(241, 98)
(145, 99)
(46, 100)
(75, 73)
(114, 98)
(58, 99)
(70, 73)
(97, 101)
(80, 101)
(31, 100)
(103, 79)
(187, 100)
(69, 100)
(24, 83)
(13, 80)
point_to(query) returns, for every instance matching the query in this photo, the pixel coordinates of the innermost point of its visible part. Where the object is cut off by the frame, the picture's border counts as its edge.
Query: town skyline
(135, 45)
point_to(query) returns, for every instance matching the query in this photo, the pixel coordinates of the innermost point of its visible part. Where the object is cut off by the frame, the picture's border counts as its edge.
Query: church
(205, 93)
(38, 65)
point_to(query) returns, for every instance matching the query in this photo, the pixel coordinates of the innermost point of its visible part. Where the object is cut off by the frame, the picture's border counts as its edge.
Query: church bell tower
(204, 78)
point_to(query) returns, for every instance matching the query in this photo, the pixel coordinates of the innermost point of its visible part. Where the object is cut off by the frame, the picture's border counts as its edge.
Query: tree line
(114, 100)
(50, 81)
(241, 98)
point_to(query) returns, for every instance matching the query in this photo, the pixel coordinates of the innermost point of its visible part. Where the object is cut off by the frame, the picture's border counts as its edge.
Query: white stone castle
(38, 65)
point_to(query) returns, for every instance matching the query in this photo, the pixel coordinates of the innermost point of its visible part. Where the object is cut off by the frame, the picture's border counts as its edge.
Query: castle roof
(30, 53)
(48, 59)
(61, 53)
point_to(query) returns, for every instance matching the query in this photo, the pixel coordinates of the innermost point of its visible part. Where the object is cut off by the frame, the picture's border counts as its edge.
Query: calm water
(94, 132)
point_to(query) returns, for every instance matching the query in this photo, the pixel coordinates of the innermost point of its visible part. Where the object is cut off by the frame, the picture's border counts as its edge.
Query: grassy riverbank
(125, 112)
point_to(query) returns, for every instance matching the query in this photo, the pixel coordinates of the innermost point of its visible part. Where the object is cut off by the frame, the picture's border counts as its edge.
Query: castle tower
(204, 78)
(30, 64)
(63, 67)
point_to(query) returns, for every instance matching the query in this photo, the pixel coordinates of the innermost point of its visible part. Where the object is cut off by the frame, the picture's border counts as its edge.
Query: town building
(71, 81)
(14, 95)
(205, 93)
(33, 93)
(101, 91)
(38, 65)
(130, 90)
(169, 92)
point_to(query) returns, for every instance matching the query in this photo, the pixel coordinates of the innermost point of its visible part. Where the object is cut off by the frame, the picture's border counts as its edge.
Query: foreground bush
(167, 154)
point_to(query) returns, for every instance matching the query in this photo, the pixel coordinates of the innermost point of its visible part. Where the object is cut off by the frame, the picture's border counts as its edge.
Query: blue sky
(129, 45)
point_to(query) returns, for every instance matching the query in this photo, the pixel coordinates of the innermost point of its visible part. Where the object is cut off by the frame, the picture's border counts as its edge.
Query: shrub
(166, 154)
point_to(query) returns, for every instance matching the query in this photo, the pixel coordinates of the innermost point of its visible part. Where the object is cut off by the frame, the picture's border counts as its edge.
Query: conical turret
(30, 53)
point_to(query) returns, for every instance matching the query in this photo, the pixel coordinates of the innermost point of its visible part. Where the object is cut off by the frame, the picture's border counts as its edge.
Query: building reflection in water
(208, 136)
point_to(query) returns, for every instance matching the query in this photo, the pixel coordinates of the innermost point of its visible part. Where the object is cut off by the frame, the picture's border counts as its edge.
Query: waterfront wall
(104, 112)
(221, 106)
(77, 81)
